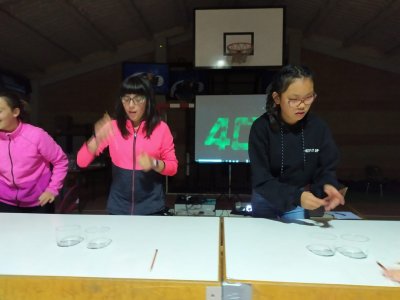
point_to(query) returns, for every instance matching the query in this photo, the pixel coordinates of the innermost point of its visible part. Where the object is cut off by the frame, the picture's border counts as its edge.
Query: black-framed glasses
(137, 99)
(306, 100)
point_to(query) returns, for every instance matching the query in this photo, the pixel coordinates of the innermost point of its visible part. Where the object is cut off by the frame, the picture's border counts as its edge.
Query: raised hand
(102, 131)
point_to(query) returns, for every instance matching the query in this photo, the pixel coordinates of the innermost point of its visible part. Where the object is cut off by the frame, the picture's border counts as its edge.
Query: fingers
(145, 161)
(45, 198)
(392, 274)
(333, 198)
(333, 193)
(330, 204)
(309, 201)
(103, 128)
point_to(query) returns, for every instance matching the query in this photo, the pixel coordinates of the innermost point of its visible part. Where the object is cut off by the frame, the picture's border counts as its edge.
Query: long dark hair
(280, 83)
(14, 101)
(139, 85)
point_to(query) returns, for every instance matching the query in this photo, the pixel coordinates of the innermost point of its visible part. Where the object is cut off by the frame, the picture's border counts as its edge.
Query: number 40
(218, 134)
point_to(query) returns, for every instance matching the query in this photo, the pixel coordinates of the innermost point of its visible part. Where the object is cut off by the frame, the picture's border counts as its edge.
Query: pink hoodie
(26, 155)
(160, 145)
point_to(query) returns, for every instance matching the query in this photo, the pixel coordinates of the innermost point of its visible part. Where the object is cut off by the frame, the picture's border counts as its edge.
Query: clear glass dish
(321, 249)
(98, 237)
(98, 243)
(352, 252)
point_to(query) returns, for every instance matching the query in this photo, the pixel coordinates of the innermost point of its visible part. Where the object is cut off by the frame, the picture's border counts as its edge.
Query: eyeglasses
(306, 100)
(137, 99)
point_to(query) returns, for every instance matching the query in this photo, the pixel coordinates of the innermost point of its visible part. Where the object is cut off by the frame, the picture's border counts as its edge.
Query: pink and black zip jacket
(134, 191)
(26, 157)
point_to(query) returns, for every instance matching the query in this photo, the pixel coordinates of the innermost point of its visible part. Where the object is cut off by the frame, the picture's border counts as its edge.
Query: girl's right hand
(392, 274)
(309, 201)
(102, 131)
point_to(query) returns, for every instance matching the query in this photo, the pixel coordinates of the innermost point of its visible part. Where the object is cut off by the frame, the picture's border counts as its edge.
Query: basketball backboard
(261, 28)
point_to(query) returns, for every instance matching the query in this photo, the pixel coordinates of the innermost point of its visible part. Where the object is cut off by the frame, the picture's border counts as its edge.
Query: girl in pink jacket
(141, 148)
(32, 164)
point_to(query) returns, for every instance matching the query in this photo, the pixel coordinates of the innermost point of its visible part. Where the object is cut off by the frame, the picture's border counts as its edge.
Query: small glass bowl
(352, 252)
(321, 249)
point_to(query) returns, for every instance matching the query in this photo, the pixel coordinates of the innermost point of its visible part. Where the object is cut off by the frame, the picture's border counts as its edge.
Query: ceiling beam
(133, 10)
(140, 48)
(22, 63)
(381, 17)
(84, 21)
(6, 14)
(334, 48)
(320, 17)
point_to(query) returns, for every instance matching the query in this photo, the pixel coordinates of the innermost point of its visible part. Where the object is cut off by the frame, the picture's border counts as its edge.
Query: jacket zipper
(12, 168)
(133, 170)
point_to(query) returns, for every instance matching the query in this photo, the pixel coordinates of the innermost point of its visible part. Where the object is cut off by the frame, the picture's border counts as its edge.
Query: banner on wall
(187, 83)
(158, 74)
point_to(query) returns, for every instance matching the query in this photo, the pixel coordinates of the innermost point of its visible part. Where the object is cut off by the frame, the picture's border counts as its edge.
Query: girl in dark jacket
(292, 153)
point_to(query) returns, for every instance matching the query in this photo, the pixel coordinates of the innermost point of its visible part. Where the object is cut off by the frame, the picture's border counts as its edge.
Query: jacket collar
(7, 135)
(129, 126)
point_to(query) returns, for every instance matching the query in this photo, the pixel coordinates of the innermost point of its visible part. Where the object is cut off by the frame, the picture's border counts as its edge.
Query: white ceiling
(50, 39)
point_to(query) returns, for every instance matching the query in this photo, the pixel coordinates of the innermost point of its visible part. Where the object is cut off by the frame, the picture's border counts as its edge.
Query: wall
(85, 98)
(362, 106)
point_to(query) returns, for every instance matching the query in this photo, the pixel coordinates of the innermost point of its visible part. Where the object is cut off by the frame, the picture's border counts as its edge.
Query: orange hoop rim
(244, 48)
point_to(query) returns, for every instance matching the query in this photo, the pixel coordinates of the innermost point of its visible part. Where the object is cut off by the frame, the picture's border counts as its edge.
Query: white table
(273, 257)
(187, 259)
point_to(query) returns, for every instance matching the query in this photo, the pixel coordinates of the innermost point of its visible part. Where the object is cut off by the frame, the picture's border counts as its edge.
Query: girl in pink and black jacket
(32, 165)
(141, 148)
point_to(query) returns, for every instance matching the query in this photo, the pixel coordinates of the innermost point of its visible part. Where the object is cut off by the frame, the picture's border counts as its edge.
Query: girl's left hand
(45, 198)
(333, 198)
(146, 161)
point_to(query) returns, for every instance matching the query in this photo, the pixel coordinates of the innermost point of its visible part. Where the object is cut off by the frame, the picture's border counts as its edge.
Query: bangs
(131, 89)
(134, 85)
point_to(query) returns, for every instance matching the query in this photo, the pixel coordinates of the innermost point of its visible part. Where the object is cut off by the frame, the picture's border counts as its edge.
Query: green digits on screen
(218, 135)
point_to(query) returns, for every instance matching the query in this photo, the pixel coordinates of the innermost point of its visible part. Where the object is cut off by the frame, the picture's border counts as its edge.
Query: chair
(374, 178)
(70, 201)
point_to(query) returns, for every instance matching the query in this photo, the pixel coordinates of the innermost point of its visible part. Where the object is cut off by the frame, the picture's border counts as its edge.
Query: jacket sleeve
(84, 157)
(53, 153)
(167, 153)
(328, 160)
(283, 196)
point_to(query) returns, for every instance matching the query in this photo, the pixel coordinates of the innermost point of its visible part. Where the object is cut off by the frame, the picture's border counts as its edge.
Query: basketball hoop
(239, 51)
